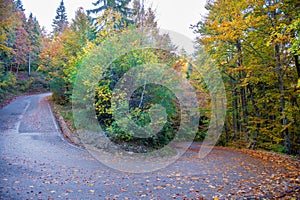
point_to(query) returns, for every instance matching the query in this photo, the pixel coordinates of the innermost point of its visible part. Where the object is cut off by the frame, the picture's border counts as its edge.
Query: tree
(138, 12)
(19, 6)
(35, 39)
(6, 26)
(60, 22)
(21, 49)
(82, 27)
(14, 38)
(80, 33)
(18, 37)
(117, 6)
(120, 6)
(62, 52)
(20, 10)
(141, 17)
(257, 67)
(52, 60)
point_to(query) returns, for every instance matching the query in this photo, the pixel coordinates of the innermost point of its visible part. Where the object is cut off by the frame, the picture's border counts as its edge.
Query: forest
(254, 44)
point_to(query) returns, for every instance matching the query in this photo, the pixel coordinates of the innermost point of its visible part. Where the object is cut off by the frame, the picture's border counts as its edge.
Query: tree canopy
(254, 48)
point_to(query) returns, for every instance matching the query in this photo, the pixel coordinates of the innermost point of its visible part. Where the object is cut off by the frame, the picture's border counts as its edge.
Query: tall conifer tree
(60, 21)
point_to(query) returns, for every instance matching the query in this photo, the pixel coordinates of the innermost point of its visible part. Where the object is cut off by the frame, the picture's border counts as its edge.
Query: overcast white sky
(176, 15)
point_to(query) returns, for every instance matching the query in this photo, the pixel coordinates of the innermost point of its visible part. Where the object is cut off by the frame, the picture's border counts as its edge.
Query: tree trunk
(142, 96)
(282, 100)
(233, 112)
(227, 131)
(243, 124)
(245, 112)
(17, 68)
(297, 64)
(29, 63)
(257, 113)
(242, 91)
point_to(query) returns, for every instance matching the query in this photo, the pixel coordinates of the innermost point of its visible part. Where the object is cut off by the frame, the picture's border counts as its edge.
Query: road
(38, 163)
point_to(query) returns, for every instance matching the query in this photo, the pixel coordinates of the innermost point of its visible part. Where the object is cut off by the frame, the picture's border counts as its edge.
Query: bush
(57, 86)
(141, 104)
(24, 85)
(8, 81)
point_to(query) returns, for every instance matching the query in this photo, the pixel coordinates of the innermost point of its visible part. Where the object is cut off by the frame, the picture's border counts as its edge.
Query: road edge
(66, 132)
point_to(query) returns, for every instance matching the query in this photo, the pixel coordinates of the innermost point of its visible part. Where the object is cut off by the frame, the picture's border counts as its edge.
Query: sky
(174, 15)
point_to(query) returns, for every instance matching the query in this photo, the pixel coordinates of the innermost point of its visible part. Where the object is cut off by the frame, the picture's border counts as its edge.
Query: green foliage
(8, 82)
(23, 85)
(12, 84)
(140, 103)
(57, 86)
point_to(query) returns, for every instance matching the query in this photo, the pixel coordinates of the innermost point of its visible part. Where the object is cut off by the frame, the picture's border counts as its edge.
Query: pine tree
(82, 26)
(19, 5)
(141, 17)
(35, 39)
(118, 6)
(138, 12)
(29, 28)
(19, 10)
(60, 22)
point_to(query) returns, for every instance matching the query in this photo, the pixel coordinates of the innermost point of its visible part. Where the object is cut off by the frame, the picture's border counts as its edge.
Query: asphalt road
(37, 163)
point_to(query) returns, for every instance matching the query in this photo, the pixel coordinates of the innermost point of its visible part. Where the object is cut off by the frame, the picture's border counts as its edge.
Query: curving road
(37, 163)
